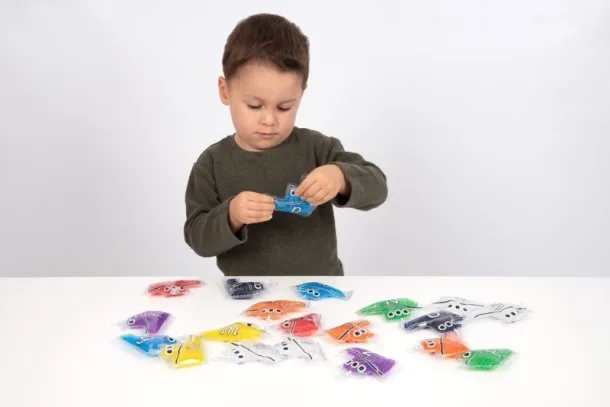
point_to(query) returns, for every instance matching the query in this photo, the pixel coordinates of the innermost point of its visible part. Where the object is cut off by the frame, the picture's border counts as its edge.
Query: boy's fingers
(322, 200)
(262, 198)
(261, 206)
(318, 195)
(310, 190)
(307, 182)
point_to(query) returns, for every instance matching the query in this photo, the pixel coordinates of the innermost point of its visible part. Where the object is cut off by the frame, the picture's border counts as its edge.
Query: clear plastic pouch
(238, 289)
(274, 310)
(394, 309)
(150, 322)
(236, 332)
(306, 325)
(367, 364)
(314, 291)
(184, 354)
(176, 288)
(357, 331)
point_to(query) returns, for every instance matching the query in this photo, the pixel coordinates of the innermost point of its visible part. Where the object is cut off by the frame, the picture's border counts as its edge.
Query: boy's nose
(268, 119)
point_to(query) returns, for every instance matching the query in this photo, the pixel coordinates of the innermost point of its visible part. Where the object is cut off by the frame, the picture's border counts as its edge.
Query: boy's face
(263, 103)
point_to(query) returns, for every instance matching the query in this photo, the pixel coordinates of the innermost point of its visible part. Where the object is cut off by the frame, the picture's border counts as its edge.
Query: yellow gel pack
(188, 353)
(239, 331)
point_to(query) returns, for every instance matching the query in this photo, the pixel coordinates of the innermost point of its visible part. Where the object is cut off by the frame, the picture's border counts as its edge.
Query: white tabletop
(60, 346)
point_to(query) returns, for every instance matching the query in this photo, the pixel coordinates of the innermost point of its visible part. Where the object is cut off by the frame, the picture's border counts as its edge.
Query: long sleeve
(207, 230)
(369, 188)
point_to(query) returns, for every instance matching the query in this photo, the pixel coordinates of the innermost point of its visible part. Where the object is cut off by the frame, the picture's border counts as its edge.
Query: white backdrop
(490, 118)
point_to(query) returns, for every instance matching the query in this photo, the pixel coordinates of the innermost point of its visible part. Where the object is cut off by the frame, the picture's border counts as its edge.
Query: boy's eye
(283, 109)
(254, 107)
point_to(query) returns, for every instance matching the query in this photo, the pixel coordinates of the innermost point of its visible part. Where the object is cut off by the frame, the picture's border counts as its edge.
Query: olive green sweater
(288, 244)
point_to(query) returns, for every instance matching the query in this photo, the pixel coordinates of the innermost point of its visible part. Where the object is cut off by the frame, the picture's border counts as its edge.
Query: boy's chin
(267, 143)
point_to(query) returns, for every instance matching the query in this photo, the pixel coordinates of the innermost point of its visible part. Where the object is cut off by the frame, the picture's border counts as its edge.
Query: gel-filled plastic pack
(305, 325)
(486, 359)
(505, 312)
(291, 203)
(314, 290)
(351, 332)
(152, 322)
(185, 354)
(149, 345)
(392, 310)
(236, 332)
(440, 321)
(272, 310)
(363, 362)
(245, 290)
(176, 288)
(449, 345)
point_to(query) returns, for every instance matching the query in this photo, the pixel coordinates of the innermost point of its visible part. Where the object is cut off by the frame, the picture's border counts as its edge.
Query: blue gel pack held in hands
(291, 203)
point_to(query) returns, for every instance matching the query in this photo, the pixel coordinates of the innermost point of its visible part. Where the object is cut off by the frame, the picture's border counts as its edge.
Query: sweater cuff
(357, 192)
(227, 236)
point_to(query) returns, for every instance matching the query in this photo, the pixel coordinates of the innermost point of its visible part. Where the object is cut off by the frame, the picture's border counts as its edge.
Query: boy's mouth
(267, 135)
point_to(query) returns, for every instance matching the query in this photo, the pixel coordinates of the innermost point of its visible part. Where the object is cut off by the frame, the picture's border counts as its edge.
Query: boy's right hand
(250, 207)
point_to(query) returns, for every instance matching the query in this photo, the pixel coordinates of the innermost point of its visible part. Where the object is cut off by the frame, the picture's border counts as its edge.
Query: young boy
(229, 204)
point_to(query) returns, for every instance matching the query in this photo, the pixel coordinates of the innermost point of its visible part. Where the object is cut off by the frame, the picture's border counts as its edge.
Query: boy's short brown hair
(267, 38)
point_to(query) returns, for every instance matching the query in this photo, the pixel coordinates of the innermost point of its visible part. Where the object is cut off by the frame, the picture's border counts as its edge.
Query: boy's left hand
(322, 185)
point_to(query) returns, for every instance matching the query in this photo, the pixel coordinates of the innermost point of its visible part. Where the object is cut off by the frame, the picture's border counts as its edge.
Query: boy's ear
(223, 90)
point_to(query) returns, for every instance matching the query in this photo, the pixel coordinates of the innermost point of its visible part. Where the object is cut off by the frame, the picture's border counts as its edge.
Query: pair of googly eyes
(446, 325)
(314, 293)
(398, 313)
(360, 332)
(457, 307)
(173, 288)
(511, 314)
(238, 354)
(356, 365)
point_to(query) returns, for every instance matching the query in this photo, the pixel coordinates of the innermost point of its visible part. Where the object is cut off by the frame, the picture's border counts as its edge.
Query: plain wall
(491, 120)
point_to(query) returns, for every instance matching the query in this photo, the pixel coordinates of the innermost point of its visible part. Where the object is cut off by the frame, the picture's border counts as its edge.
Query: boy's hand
(322, 185)
(249, 207)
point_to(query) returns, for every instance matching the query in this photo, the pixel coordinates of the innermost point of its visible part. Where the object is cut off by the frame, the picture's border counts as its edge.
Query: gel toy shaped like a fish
(306, 325)
(486, 359)
(274, 309)
(175, 288)
(296, 348)
(450, 345)
(237, 332)
(243, 290)
(149, 345)
(150, 321)
(367, 363)
(392, 310)
(253, 352)
(351, 332)
(189, 353)
(441, 322)
(291, 203)
(317, 291)
(508, 313)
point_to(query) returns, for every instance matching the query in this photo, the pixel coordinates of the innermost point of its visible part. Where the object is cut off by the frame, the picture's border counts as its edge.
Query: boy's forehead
(268, 83)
